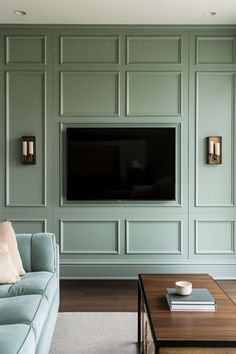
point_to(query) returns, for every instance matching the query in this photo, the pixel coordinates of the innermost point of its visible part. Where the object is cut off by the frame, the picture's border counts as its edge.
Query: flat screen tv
(120, 164)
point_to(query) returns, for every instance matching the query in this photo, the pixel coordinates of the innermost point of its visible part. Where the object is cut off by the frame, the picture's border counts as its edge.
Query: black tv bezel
(120, 202)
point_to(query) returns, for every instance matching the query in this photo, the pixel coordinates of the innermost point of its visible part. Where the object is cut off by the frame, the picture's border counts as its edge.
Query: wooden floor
(109, 295)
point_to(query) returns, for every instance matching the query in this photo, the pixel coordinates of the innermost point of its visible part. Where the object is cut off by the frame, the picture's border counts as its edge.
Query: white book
(199, 300)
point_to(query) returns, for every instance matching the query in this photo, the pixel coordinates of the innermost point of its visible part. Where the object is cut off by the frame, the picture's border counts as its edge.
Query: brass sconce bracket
(28, 146)
(214, 150)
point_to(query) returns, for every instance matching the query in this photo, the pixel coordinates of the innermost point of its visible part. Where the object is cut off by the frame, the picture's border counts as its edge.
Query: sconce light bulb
(20, 12)
(217, 149)
(31, 148)
(24, 148)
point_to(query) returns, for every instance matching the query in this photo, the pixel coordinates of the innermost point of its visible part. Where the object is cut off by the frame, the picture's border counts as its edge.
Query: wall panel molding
(87, 233)
(224, 173)
(157, 236)
(154, 49)
(29, 175)
(215, 50)
(87, 49)
(89, 94)
(218, 238)
(26, 50)
(154, 94)
(29, 225)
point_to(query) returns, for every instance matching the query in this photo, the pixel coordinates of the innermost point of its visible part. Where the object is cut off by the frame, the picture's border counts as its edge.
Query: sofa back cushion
(43, 252)
(24, 246)
(38, 251)
(8, 238)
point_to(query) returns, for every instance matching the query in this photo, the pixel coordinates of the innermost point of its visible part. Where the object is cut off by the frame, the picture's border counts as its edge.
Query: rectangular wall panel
(153, 237)
(154, 49)
(26, 50)
(29, 226)
(154, 94)
(214, 116)
(89, 50)
(90, 236)
(214, 237)
(25, 115)
(215, 50)
(89, 94)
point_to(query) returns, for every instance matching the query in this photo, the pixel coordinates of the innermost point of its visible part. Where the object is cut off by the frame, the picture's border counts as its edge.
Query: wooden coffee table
(161, 331)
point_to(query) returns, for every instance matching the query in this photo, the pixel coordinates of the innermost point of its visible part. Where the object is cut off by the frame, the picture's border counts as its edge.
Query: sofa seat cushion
(17, 338)
(44, 283)
(27, 309)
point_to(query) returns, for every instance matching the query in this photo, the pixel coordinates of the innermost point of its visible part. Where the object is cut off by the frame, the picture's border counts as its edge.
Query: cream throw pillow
(8, 273)
(8, 238)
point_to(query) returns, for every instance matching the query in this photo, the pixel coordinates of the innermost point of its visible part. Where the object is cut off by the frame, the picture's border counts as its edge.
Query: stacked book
(199, 300)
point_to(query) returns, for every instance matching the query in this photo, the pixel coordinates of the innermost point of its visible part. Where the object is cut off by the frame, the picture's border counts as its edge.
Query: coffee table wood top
(188, 327)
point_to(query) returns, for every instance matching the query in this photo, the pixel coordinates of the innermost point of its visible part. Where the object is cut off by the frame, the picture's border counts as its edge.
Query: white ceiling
(118, 12)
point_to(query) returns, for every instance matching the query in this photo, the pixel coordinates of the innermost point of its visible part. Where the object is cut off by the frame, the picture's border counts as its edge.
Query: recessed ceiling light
(20, 13)
(210, 13)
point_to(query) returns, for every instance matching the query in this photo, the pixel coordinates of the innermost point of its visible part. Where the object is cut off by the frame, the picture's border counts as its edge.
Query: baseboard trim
(131, 271)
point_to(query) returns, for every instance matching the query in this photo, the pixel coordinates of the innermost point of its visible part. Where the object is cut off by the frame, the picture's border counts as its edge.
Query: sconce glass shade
(28, 147)
(214, 150)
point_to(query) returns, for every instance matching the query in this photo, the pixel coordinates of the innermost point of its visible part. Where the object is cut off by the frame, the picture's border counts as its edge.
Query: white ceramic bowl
(183, 287)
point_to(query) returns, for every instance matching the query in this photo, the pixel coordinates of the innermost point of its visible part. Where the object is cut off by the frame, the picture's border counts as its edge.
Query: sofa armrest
(58, 264)
(38, 252)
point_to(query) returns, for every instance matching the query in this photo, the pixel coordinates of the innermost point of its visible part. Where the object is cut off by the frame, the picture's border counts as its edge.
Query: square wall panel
(89, 94)
(154, 94)
(214, 237)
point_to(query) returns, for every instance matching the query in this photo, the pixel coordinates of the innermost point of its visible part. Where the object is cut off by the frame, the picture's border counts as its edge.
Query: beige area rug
(95, 332)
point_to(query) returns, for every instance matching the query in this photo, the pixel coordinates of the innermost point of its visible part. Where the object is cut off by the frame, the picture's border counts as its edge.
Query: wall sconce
(214, 150)
(28, 145)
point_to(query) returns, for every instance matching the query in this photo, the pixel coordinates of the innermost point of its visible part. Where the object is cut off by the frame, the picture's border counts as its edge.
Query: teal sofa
(28, 309)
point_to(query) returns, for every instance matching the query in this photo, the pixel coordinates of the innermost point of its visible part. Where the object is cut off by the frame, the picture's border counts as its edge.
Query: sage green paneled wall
(26, 109)
(55, 77)
(212, 112)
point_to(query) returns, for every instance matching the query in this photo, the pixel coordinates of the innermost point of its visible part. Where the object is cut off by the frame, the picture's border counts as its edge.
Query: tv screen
(125, 164)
